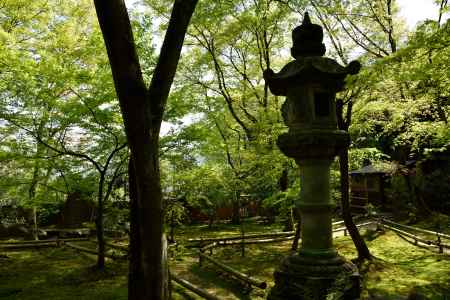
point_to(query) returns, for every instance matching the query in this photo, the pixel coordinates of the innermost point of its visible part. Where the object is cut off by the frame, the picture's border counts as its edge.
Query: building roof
(369, 169)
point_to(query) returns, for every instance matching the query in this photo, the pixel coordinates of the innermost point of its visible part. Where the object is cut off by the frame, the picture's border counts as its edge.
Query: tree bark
(99, 224)
(235, 217)
(211, 218)
(135, 274)
(172, 228)
(31, 197)
(142, 111)
(35, 224)
(165, 262)
(442, 6)
(360, 244)
(294, 246)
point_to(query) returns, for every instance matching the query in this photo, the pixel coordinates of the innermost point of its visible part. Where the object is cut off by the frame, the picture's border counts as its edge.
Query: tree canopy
(72, 112)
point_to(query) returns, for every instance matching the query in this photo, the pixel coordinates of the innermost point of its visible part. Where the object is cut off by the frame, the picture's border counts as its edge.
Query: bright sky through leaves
(413, 11)
(417, 10)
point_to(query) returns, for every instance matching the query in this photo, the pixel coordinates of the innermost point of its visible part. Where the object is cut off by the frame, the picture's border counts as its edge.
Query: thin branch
(114, 177)
(93, 114)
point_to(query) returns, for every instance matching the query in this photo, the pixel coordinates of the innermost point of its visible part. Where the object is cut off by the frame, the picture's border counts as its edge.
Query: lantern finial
(307, 39)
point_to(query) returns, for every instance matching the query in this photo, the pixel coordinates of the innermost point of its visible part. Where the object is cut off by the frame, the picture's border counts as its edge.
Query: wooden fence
(202, 293)
(250, 281)
(390, 225)
(16, 245)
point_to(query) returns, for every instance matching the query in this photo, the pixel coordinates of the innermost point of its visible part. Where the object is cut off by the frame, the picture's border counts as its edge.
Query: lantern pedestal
(316, 270)
(301, 277)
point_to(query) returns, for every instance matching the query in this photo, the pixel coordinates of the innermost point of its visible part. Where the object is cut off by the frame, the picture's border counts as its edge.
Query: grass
(58, 273)
(399, 270)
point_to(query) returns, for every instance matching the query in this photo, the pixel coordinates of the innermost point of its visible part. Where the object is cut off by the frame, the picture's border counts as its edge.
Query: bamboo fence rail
(202, 293)
(241, 276)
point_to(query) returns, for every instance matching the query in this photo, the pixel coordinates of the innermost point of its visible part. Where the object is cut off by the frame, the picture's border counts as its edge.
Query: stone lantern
(310, 83)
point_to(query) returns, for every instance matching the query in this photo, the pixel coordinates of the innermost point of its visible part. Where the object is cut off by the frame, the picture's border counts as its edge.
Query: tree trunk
(283, 182)
(135, 274)
(442, 10)
(211, 218)
(165, 275)
(99, 225)
(31, 198)
(235, 217)
(289, 221)
(242, 230)
(142, 112)
(150, 220)
(294, 246)
(172, 228)
(360, 244)
(35, 224)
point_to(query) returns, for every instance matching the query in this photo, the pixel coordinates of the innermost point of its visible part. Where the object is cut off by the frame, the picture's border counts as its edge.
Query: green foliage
(116, 217)
(56, 99)
(407, 111)
(206, 187)
(401, 190)
(175, 213)
(358, 156)
(56, 90)
(283, 203)
(432, 179)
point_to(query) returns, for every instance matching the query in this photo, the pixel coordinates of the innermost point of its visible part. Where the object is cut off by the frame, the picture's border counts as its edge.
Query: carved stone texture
(310, 84)
(302, 144)
(323, 71)
(298, 278)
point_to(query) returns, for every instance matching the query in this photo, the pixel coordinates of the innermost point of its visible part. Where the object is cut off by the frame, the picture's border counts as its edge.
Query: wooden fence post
(441, 249)
(200, 260)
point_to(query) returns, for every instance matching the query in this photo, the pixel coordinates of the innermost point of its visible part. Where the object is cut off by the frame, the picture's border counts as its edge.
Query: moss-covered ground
(58, 273)
(399, 270)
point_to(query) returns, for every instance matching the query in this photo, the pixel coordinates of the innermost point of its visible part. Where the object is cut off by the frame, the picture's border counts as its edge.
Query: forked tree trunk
(142, 111)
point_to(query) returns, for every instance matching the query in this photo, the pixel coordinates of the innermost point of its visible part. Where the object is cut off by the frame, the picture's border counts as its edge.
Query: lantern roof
(309, 65)
(315, 69)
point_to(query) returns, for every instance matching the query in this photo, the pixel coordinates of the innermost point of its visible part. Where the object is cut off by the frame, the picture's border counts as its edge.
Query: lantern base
(306, 277)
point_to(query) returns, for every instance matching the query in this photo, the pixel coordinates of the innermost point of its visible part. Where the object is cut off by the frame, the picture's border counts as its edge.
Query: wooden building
(367, 186)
